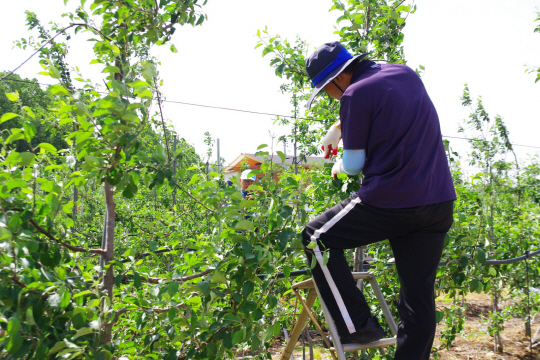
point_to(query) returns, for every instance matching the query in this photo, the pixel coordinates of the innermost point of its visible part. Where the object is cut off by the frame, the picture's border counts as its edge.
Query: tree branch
(154, 280)
(70, 247)
(162, 121)
(50, 40)
(194, 198)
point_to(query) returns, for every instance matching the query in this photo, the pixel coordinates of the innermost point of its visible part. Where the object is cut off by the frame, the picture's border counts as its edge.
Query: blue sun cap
(327, 62)
(245, 175)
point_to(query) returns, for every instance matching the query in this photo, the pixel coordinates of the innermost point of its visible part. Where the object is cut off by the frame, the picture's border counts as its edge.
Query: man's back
(387, 111)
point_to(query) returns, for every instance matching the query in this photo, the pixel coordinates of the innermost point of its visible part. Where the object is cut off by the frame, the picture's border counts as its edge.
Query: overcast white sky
(484, 43)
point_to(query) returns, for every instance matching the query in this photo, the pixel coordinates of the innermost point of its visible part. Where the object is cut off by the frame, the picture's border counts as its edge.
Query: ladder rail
(331, 327)
(338, 350)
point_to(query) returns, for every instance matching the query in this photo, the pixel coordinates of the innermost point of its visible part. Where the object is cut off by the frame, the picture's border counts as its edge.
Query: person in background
(391, 133)
(245, 182)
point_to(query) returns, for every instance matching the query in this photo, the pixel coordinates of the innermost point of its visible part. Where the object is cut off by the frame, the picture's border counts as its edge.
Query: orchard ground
(473, 344)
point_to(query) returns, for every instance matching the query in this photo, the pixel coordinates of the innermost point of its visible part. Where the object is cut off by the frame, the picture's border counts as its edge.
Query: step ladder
(338, 350)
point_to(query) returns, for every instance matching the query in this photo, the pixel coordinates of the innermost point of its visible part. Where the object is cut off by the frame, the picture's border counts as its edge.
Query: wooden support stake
(299, 326)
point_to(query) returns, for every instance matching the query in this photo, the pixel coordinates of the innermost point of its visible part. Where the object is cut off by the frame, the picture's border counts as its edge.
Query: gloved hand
(337, 168)
(331, 141)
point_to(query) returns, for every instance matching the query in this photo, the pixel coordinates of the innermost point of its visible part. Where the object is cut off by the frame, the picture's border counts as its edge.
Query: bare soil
(474, 344)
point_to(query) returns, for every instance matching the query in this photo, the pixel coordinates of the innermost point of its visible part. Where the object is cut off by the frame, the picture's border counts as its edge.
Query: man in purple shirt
(391, 133)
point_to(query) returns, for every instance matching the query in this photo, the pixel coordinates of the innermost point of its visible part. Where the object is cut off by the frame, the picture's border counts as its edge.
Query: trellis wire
(261, 113)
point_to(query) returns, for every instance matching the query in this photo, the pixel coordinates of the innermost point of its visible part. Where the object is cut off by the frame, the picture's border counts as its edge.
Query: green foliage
(454, 324)
(535, 69)
(26, 99)
(156, 257)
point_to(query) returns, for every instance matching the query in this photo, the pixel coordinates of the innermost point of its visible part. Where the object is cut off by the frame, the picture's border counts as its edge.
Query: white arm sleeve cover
(353, 161)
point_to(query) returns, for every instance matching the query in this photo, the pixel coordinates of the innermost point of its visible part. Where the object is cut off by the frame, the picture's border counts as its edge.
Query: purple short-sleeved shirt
(387, 111)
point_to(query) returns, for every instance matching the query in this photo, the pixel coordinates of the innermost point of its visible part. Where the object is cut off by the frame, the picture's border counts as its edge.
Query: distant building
(254, 162)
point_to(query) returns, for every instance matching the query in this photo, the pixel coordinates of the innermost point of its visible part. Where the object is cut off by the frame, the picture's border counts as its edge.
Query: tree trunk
(108, 279)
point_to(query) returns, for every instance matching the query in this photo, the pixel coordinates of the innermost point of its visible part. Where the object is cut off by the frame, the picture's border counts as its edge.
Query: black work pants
(417, 238)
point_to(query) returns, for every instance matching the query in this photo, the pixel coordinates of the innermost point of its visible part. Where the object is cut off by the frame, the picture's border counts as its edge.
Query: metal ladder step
(372, 345)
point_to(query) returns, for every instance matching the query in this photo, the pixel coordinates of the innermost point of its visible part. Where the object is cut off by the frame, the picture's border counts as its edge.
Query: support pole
(295, 158)
(171, 259)
(75, 199)
(497, 343)
(218, 159)
(102, 261)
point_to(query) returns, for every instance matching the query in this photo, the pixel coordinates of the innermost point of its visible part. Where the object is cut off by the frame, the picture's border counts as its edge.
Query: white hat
(245, 176)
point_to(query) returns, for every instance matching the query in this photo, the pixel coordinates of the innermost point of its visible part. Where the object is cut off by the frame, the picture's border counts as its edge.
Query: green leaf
(15, 183)
(285, 212)
(82, 108)
(439, 315)
(81, 332)
(145, 94)
(205, 287)
(111, 69)
(279, 69)
(285, 236)
(57, 347)
(14, 136)
(13, 326)
(236, 337)
(262, 146)
(54, 73)
(211, 351)
(257, 314)
(29, 112)
(282, 156)
(276, 328)
(7, 116)
(14, 343)
(66, 297)
(58, 90)
(218, 277)
(30, 316)
(137, 279)
(46, 147)
(244, 225)
(172, 289)
(247, 203)
(29, 130)
(247, 288)
(12, 96)
(25, 158)
(474, 285)
(5, 234)
(313, 262)
(173, 49)
(480, 256)
(326, 256)
(492, 271)
(91, 160)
